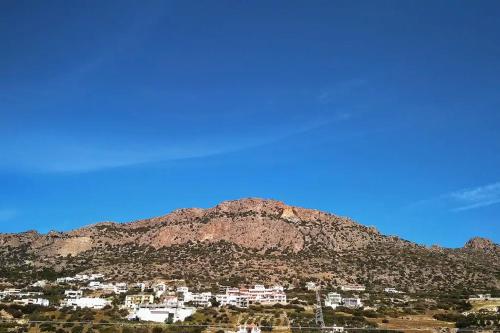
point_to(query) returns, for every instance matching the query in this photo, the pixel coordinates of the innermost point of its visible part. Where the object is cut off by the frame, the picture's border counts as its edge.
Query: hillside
(250, 240)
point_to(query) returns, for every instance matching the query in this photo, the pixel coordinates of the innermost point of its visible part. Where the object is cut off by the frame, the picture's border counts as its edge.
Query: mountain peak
(252, 239)
(480, 243)
(250, 204)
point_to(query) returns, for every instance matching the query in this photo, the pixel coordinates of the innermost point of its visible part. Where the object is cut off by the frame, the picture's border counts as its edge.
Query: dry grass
(490, 305)
(413, 323)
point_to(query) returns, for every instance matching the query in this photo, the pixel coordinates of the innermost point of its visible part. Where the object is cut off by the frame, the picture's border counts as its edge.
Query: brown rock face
(481, 244)
(253, 240)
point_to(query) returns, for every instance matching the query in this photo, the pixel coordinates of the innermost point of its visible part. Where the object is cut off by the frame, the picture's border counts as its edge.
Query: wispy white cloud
(57, 153)
(472, 198)
(463, 199)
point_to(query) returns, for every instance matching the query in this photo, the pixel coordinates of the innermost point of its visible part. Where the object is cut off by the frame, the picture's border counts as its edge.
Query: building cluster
(161, 303)
(334, 300)
(116, 288)
(352, 287)
(243, 297)
(95, 303)
(19, 296)
(166, 305)
(172, 301)
(80, 278)
(310, 285)
(248, 329)
(483, 297)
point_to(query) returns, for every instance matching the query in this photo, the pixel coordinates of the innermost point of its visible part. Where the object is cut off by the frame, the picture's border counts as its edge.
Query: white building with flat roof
(353, 287)
(159, 289)
(94, 285)
(120, 288)
(248, 329)
(198, 299)
(73, 293)
(161, 313)
(34, 301)
(182, 290)
(243, 297)
(133, 301)
(86, 302)
(333, 300)
(96, 276)
(352, 302)
(267, 296)
(66, 279)
(239, 301)
(311, 285)
(393, 291)
(172, 301)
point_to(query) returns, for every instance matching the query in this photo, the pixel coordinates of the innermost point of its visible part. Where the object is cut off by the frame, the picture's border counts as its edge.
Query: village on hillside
(94, 303)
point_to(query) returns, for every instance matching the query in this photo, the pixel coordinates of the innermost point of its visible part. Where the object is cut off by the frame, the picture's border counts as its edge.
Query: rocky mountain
(249, 240)
(482, 244)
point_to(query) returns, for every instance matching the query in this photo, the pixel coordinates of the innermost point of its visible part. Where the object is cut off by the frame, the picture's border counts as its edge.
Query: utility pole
(320, 321)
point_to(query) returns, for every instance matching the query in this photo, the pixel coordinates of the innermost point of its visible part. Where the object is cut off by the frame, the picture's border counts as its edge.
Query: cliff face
(252, 239)
(250, 223)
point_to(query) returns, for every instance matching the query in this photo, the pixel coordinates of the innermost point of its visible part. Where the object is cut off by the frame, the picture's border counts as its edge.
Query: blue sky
(384, 111)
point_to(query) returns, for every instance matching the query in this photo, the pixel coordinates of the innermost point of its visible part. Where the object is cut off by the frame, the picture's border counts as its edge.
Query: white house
(231, 291)
(248, 329)
(106, 287)
(161, 313)
(198, 299)
(159, 289)
(35, 301)
(311, 285)
(73, 293)
(11, 292)
(481, 297)
(171, 300)
(141, 286)
(231, 299)
(82, 277)
(353, 287)
(14, 292)
(352, 302)
(333, 300)
(96, 276)
(120, 288)
(133, 301)
(65, 279)
(258, 294)
(95, 285)
(182, 290)
(392, 291)
(261, 294)
(87, 302)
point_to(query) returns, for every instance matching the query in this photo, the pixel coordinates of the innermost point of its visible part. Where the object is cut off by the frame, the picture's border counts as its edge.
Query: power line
(128, 323)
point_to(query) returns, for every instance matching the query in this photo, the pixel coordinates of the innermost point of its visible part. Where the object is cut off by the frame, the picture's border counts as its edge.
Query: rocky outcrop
(253, 238)
(481, 244)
